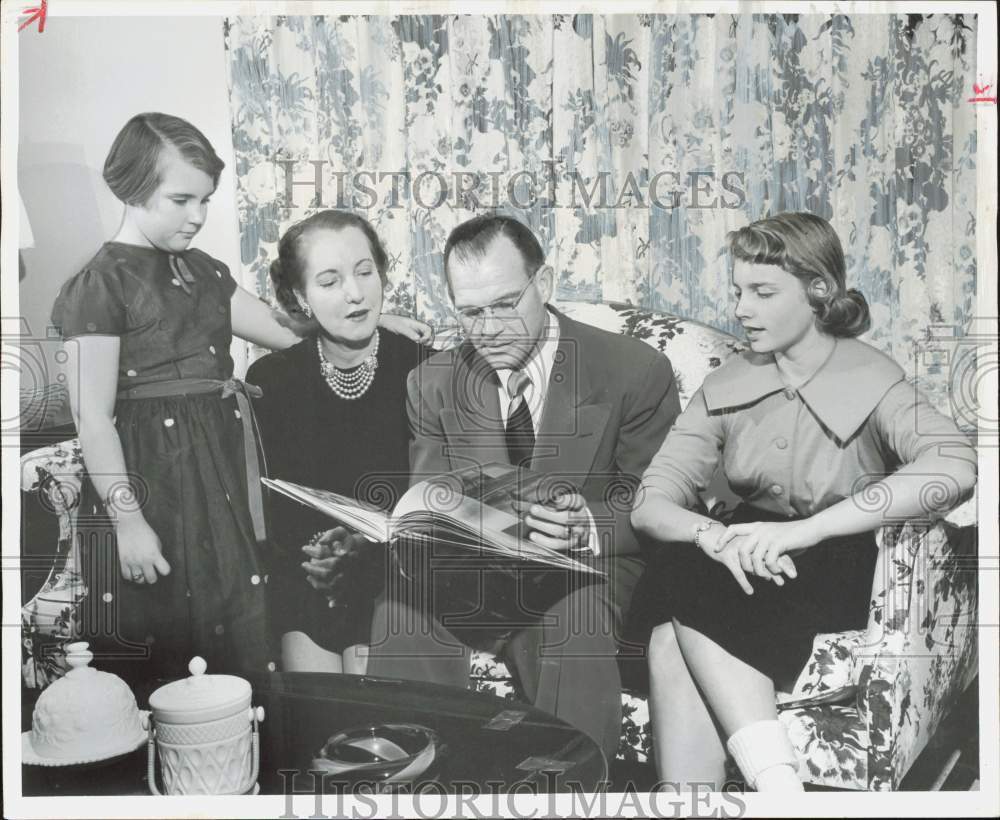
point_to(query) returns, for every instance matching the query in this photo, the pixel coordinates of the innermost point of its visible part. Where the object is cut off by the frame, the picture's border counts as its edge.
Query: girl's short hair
(807, 246)
(286, 270)
(132, 169)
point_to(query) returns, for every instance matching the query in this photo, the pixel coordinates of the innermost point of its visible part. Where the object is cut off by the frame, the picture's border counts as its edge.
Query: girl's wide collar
(842, 393)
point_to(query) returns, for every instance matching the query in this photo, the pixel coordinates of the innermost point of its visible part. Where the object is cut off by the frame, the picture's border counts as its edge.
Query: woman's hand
(709, 543)
(332, 556)
(714, 544)
(407, 326)
(139, 553)
(764, 546)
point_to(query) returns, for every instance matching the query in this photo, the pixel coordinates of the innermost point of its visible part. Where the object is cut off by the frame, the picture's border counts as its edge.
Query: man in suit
(530, 386)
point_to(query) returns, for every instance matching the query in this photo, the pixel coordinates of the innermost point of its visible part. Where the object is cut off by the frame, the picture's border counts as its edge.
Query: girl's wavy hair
(286, 270)
(806, 246)
(132, 167)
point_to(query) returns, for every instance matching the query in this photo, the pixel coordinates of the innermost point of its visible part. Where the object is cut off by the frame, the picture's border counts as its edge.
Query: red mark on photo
(981, 93)
(38, 13)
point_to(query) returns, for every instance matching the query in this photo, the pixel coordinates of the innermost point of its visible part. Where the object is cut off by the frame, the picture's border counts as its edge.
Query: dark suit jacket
(609, 403)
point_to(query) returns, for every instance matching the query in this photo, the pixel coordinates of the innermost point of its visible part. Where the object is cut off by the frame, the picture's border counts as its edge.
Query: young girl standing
(166, 432)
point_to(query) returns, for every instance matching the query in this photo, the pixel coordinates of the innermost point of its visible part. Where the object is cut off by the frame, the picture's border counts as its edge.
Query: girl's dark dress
(185, 458)
(357, 448)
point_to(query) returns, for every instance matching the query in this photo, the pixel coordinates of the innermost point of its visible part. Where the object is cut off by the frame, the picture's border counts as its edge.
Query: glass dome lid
(84, 716)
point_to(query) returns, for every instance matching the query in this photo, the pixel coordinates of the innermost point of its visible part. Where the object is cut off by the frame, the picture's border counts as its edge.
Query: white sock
(765, 756)
(780, 778)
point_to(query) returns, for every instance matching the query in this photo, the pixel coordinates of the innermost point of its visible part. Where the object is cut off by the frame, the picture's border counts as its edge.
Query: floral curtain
(631, 143)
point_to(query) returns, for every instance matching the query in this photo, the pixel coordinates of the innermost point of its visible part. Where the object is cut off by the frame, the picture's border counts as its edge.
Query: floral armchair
(862, 709)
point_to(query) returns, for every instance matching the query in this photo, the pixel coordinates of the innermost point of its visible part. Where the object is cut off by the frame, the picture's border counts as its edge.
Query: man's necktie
(520, 432)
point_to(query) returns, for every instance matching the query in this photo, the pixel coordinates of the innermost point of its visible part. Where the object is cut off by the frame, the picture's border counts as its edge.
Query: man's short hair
(473, 238)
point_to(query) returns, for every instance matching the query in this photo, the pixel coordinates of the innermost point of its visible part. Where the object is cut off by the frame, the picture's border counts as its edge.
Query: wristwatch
(704, 526)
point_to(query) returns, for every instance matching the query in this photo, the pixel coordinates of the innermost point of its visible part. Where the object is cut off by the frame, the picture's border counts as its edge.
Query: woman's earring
(306, 309)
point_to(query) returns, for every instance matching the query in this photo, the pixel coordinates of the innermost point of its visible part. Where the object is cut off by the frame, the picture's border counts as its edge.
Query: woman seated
(810, 425)
(332, 416)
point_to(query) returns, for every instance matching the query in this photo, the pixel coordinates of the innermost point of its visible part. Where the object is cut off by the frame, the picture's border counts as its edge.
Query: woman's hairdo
(806, 246)
(286, 270)
(132, 168)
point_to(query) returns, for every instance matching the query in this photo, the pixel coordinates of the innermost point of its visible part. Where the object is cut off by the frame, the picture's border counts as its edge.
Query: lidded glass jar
(206, 733)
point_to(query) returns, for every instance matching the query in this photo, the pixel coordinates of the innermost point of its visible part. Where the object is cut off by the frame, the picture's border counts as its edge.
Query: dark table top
(303, 710)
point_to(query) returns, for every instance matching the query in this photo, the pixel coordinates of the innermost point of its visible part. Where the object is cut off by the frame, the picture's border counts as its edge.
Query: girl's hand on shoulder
(764, 546)
(407, 326)
(139, 554)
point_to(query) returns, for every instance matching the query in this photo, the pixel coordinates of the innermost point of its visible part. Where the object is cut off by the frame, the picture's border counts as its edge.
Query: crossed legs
(701, 694)
(685, 737)
(566, 664)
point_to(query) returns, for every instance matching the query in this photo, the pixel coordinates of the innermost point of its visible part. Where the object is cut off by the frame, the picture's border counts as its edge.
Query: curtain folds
(631, 143)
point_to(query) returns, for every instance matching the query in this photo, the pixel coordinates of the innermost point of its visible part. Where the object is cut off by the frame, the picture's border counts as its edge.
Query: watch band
(703, 527)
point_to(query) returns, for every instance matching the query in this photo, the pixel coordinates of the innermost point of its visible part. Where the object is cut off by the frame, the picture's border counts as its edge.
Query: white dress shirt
(539, 370)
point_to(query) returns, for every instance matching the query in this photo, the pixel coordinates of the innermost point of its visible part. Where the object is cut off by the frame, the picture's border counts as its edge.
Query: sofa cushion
(694, 349)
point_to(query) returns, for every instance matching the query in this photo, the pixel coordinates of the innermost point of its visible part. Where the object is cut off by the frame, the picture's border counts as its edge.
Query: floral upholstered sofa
(862, 709)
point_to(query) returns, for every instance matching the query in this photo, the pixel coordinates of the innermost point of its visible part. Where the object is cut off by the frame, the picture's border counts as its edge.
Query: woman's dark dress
(185, 458)
(357, 448)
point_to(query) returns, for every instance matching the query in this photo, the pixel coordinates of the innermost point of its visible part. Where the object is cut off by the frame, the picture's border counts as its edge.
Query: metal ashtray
(383, 753)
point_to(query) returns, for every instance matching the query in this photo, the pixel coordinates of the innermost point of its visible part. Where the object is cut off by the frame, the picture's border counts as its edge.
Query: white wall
(79, 83)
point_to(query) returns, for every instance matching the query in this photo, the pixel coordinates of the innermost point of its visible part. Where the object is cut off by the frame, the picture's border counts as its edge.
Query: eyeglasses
(503, 310)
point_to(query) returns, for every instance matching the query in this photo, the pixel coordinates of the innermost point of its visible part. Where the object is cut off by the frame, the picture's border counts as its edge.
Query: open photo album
(477, 510)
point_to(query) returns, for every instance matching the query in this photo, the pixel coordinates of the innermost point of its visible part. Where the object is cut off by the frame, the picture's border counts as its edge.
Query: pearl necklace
(349, 384)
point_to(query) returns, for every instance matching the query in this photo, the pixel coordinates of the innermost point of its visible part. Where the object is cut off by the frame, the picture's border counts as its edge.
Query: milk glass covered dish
(85, 716)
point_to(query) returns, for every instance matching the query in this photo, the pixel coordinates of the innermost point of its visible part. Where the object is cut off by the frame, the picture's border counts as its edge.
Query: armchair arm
(64, 460)
(56, 474)
(920, 651)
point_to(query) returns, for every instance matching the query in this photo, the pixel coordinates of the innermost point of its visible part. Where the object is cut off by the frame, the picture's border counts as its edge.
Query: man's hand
(332, 557)
(562, 525)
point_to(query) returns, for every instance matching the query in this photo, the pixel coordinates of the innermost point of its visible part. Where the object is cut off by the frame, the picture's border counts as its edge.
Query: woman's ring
(138, 577)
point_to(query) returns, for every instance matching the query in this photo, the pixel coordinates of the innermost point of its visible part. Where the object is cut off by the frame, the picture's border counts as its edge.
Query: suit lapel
(473, 426)
(572, 425)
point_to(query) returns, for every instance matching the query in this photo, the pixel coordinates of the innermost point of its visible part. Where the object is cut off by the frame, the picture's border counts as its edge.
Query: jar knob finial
(197, 665)
(78, 655)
